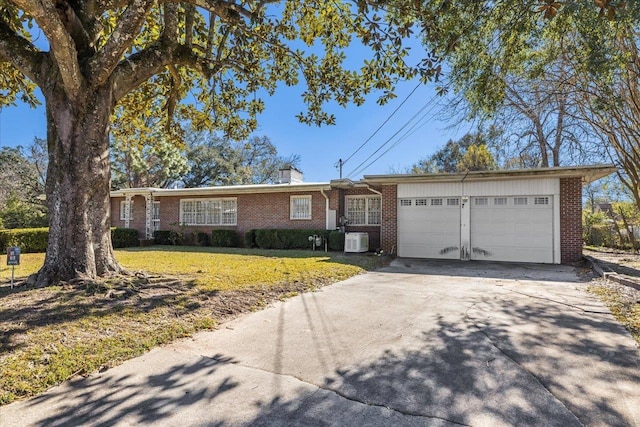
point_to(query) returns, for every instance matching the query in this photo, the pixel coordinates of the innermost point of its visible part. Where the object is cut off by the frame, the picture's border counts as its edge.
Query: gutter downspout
(326, 209)
(374, 191)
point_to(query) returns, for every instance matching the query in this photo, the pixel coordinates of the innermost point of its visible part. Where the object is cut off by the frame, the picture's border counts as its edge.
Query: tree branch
(104, 63)
(21, 54)
(62, 46)
(170, 31)
(189, 17)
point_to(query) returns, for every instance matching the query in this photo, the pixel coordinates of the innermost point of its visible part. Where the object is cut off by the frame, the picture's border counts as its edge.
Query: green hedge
(283, 238)
(32, 240)
(167, 237)
(336, 241)
(224, 238)
(202, 239)
(250, 239)
(124, 237)
(28, 239)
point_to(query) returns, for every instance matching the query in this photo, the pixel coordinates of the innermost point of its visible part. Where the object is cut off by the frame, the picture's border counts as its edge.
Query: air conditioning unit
(356, 242)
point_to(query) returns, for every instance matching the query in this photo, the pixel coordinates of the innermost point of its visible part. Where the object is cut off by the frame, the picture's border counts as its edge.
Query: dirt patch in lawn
(53, 334)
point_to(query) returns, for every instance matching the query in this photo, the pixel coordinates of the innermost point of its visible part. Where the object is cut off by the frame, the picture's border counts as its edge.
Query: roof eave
(587, 173)
(222, 190)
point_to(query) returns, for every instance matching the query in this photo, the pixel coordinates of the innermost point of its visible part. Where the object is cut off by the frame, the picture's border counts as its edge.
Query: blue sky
(319, 147)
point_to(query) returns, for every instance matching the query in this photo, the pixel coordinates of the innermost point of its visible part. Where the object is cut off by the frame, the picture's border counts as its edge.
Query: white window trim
(123, 210)
(291, 207)
(221, 200)
(366, 210)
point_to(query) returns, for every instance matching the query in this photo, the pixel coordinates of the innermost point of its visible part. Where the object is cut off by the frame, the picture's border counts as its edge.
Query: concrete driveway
(418, 343)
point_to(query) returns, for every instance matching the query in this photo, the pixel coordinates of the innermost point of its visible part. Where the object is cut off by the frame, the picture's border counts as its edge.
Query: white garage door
(429, 227)
(514, 228)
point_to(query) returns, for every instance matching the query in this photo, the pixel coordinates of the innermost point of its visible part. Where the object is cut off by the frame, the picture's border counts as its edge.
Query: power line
(382, 125)
(409, 132)
(424, 107)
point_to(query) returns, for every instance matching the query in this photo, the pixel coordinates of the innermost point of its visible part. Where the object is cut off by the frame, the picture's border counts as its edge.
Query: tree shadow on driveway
(108, 400)
(508, 362)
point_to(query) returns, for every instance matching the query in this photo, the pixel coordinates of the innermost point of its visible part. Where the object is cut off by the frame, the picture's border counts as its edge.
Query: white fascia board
(227, 189)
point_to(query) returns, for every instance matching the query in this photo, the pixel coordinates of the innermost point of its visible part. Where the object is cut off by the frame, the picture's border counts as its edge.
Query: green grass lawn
(50, 335)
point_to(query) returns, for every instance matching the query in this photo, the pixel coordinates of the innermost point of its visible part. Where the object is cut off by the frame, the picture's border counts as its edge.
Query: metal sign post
(13, 259)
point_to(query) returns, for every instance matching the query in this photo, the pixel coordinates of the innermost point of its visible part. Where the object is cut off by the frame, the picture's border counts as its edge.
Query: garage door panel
(427, 230)
(517, 229)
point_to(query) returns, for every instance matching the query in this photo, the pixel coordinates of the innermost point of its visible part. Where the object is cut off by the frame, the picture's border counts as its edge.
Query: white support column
(127, 210)
(148, 216)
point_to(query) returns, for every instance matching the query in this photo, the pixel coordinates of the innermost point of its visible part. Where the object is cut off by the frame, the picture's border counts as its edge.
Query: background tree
(470, 152)
(476, 158)
(147, 56)
(611, 107)
(22, 201)
(214, 160)
(136, 164)
(562, 76)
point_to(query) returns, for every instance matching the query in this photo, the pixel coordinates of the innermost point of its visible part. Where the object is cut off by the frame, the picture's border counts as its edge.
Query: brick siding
(570, 220)
(263, 210)
(389, 228)
(138, 222)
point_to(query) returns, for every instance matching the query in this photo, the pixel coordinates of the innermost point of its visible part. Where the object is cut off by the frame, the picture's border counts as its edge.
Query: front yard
(50, 335)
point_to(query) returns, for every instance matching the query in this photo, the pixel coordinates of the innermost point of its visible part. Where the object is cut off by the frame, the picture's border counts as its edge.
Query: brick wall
(139, 214)
(389, 228)
(266, 210)
(570, 220)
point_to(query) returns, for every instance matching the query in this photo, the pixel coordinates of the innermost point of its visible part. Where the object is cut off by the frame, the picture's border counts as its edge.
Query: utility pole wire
(382, 125)
(424, 107)
(409, 132)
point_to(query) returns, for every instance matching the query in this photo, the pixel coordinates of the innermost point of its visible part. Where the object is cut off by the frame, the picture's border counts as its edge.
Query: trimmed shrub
(202, 239)
(224, 238)
(283, 238)
(603, 235)
(250, 239)
(124, 237)
(28, 239)
(336, 240)
(166, 237)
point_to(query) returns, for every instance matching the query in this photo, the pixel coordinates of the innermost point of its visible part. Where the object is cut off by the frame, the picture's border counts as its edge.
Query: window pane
(300, 207)
(520, 201)
(209, 212)
(374, 210)
(356, 213)
(229, 212)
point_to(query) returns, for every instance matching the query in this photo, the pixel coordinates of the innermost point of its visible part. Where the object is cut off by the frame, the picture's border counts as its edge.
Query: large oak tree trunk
(78, 187)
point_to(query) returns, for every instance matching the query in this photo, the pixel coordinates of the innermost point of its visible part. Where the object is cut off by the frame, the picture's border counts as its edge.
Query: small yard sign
(13, 259)
(13, 255)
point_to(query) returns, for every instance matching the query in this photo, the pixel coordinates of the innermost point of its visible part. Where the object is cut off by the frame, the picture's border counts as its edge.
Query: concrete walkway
(419, 343)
